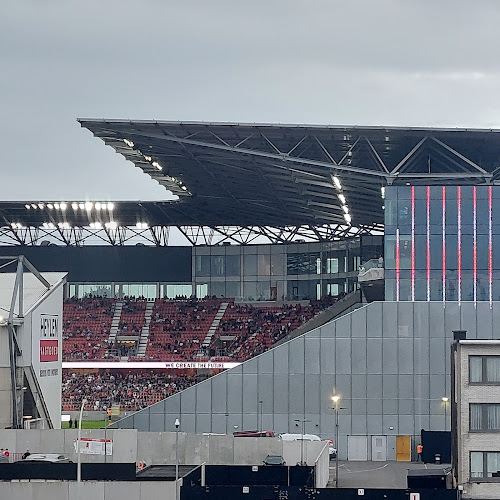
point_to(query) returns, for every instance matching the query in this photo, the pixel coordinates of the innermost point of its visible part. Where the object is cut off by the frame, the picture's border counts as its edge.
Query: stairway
(115, 322)
(213, 327)
(143, 341)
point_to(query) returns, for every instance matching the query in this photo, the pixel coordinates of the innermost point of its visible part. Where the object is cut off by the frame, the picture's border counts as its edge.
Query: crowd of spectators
(130, 391)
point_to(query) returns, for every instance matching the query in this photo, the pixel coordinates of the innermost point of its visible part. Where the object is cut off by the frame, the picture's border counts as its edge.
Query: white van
(309, 437)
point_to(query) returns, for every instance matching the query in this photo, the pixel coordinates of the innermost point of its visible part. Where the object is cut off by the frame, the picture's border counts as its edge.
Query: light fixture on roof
(41, 206)
(74, 206)
(142, 225)
(147, 158)
(56, 206)
(184, 188)
(347, 218)
(88, 206)
(64, 225)
(48, 225)
(28, 206)
(157, 165)
(111, 225)
(382, 192)
(63, 206)
(95, 225)
(97, 206)
(33, 205)
(336, 181)
(345, 209)
(81, 206)
(50, 206)
(111, 206)
(128, 143)
(342, 198)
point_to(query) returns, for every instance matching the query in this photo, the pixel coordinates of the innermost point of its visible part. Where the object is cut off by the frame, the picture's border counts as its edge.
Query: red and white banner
(147, 365)
(49, 350)
(90, 446)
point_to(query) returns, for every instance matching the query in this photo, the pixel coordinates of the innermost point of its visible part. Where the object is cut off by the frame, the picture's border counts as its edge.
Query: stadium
(296, 263)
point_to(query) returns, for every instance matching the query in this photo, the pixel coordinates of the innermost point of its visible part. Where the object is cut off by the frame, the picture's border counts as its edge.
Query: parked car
(54, 458)
(274, 460)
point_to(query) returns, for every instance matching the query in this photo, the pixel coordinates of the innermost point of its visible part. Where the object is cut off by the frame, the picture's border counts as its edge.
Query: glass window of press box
(440, 243)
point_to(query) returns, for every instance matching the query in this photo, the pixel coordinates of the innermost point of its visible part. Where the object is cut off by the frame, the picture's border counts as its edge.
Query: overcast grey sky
(363, 62)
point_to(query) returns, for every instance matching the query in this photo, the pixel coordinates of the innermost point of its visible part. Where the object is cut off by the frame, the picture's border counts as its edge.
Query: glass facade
(440, 243)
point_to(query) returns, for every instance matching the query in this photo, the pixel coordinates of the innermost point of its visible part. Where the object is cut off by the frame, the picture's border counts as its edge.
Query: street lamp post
(445, 400)
(336, 399)
(79, 458)
(177, 425)
(303, 422)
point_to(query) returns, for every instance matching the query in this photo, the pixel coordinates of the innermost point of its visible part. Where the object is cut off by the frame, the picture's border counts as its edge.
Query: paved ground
(374, 474)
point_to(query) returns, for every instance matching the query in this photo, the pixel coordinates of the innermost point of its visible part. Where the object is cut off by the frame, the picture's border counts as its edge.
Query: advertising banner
(49, 338)
(90, 446)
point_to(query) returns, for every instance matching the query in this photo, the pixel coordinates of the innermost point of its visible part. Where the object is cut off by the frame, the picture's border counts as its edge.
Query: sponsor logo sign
(49, 338)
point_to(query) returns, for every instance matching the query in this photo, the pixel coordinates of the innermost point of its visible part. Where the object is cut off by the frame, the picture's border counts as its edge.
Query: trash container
(437, 459)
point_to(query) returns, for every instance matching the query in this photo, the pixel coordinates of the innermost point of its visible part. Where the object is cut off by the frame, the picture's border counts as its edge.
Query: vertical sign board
(49, 338)
(414, 496)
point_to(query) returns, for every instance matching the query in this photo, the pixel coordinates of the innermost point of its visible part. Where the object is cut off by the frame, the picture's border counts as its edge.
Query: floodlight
(157, 165)
(50, 206)
(34, 206)
(336, 181)
(82, 206)
(27, 206)
(97, 206)
(336, 398)
(56, 206)
(88, 206)
(342, 198)
(111, 225)
(345, 208)
(184, 187)
(74, 206)
(128, 143)
(382, 192)
(147, 158)
(95, 225)
(347, 218)
(63, 206)
(41, 206)
(111, 206)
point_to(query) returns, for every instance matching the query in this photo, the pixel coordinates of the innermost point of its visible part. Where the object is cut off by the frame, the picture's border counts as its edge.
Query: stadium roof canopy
(279, 180)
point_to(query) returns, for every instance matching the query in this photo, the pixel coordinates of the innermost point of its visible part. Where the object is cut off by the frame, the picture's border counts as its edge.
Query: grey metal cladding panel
(343, 356)
(296, 355)
(421, 319)
(421, 422)
(126, 423)
(437, 355)
(496, 320)
(468, 315)
(250, 393)
(188, 423)
(158, 407)
(312, 348)
(405, 319)
(141, 421)
(265, 363)
(265, 392)
(203, 422)
(327, 387)
(281, 423)
(359, 424)
(405, 386)
(421, 387)
(421, 355)
(358, 355)
(343, 326)
(296, 394)
(374, 424)
(280, 357)
(484, 321)
(358, 322)
(188, 400)
(203, 398)
(173, 403)
(437, 319)
(374, 355)
(436, 421)
(389, 356)
(451, 313)
(406, 407)
(312, 393)
(343, 386)
(374, 391)
(390, 319)
(327, 331)
(157, 422)
(359, 390)
(219, 387)
(406, 424)
(374, 320)
(250, 366)
(405, 355)
(437, 389)
(234, 392)
(281, 397)
(250, 421)
(219, 424)
(327, 356)
(390, 394)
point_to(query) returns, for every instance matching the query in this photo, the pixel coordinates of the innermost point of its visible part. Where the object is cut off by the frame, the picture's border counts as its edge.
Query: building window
(484, 417)
(484, 369)
(485, 464)
(332, 265)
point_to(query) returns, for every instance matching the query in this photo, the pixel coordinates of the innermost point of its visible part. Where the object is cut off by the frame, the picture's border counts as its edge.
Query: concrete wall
(102, 490)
